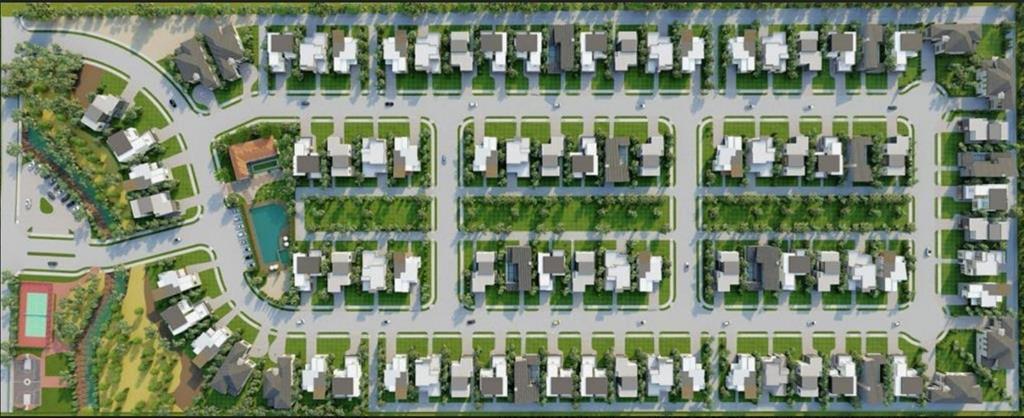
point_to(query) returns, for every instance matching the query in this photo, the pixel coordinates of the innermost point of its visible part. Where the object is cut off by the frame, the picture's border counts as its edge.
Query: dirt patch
(190, 383)
(88, 81)
(275, 285)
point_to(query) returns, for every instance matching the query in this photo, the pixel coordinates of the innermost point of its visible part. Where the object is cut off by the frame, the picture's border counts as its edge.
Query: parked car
(389, 104)
(173, 104)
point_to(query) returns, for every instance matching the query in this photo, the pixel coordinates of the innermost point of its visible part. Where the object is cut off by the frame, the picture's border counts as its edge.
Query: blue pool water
(268, 223)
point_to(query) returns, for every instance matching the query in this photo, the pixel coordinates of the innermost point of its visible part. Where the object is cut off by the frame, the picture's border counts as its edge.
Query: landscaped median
(589, 213)
(386, 213)
(888, 212)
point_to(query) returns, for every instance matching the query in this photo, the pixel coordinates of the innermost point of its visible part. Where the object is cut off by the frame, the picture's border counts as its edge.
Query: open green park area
(387, 213)
(806, 213)
(606, 213)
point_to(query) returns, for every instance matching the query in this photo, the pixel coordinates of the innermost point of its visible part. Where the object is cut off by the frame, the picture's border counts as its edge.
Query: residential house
(978, 130)
(234, 372)
(193, 67)
(396, 376)
(794, 156)
(954, 38)
(280, 50)
(406, 157)
(494, 46)
(593, 381)
(691, 51)
(427, 56)
(344, 52)
(981, 263)
(396, 52)
(277, 383)
(743, 49)
(872, 40)
(158, 205)
(995, 343)
(860, 164)
(518, 270)
(593, 47)
(794, 265)
(517, 157)
(173, 283)
(843, 376)
(460, 55)
(341, 157)
(226, 48)
(626, 378)
(907, 45)
(729, 157)
(776, 375)
(142, 176)
(616, 160)
(987, 197)
(374, 266)
(861, 271)
(843, 50)
(660, 375)
(985, 229)
(551, 157)
(183, 315)
(428, 375)
(26, 384)
(246, 157)
(767, 271)
(897, 149)
(374, 156)
(485, 157)
(528, 49)
(206, 346)
(128, 145)
(827, 273)
(494, 379)
(984, 295)
(341, 271)
(761, 157)
(626, 50)
(987, 164)
(742, 377)
(906, 382)
(829, 157)
(584, 272)
(314, 377)
(483, 271)
(461, 377)
(776, 52)
(650, 156)
(954, 388)
(549, 266)
(617, 271)
(306, 268)
(807, 374)
(727, 270)
(584, 161)
(406, 268)
(103, 110)
(891, 269)
(869, 382)
(559, 380)
(306, 161)
(525, 373)
(345, 383)
(810, 55)
(648, 268)
(659, 53)
(691, 376)
(563, 41)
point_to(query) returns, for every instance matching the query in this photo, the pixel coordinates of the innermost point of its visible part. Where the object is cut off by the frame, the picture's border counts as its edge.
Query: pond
(269, 223)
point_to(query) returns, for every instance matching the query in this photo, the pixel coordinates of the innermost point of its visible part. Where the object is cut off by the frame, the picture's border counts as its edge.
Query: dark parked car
(389, 104)
(174, 104)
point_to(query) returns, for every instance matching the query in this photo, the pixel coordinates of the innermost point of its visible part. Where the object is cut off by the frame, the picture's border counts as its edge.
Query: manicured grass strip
(568, 342)
(877, 344)
(484, 343)
(295, 344)
(806, 213)
(950, 207)
(601, 343)
(643, 342)
(791, 343)
(333, 344)
(150, 116)
(606, 213)
(752, 343)
(672, 341)
(388, 213)
(184, 189)
(419, 343)
(211, 286)
(824, 343)
(854, 343)
(450, 342)
(244, 329)
(536, 342)
(739, 127)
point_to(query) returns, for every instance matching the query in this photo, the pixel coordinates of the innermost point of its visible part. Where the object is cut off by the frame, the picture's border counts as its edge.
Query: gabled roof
(234, 372)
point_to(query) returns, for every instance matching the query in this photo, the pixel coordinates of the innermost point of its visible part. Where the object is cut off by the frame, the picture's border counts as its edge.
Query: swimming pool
(35, 314)
(268, 222)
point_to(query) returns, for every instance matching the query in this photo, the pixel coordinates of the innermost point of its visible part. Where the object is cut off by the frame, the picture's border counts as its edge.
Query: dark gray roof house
(869, 383)
(192, 65)
(490, 42)
(402, 43)
(277, 383)
(987, 165)
(995, 343)
(998, 83)
(767, 266)
(234, 372)
(596, 42)
(283, 43)
(526, 42)
(872, 42)
(226, 48)
(525, 372)
(910, 41)
(616, 160)
(954, 38)
(956, 388)
(520, 273)
(564, 42)
(307, 264)
(859, 162)
(840, 42)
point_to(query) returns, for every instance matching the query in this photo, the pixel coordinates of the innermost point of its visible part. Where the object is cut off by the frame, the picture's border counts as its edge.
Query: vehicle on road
(891, 108)
(386, 321)
(725, 324)
(471, 322)
(389, 104)
(174, 104)
(444, 160)
(51, 264)
(304, 103)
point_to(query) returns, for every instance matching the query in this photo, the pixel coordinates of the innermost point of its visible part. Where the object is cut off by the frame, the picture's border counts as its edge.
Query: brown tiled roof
(246, 152)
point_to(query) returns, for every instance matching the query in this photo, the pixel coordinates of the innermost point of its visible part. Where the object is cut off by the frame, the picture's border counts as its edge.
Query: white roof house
(128, 144)
(828, 270)
(305, 160)
(985, 295)
(555, 372)
(461, 377)
(829, 157)
(727, 271)
(313, 53)
(529, 50)
(981, 263)
(374, 157)
(584, 271)
(659, 53)
(373, 271)
(406, 269)
(394, 372)
(742, 373)
(627, 375)
(794, 265)
(903, 53)
(212, 339)
(808, 371)
(102, 110)
(183, 315)
(483, 150)
(617, 271)
(428, 53)
(483, 271)
(810, 55)
(305, 268)
(762, 156)
(742, 54)
(141, 176)
(517, 157)
(344, 50)
(353, 372)
(395, 55)
(843, 50)
(660, 375)
(158, 205)
(862, 271)
(498, 371)
(549, 266)
(341, 271)
(901, 370)
(896, 149)
(692, 51)
(691, 368)
(409, 152)
(315, 368)
(987, 197)
(892, 270)
(984, 130)
(795, 156)
(589, 54)
(984, 229)
(176, 281)
(648, 271)
(625, 50)
(341, 157)
(280, 49)
(460, 55)
(589, 373)
(586, 158)
(494, 46)
(846, 369)
(726, 152)
(428, 374)
(650, 156)
(551, 156)
(776, 52)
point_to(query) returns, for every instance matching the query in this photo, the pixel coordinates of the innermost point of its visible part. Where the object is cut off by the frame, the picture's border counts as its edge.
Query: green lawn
(393, 128)
(824, 344)
(302, 82)
(210, 284)
(752, 343)
(668, 83)
(111, 83)
(296, 346)
(538, 131)
(485, 345)
(333, 344)
(949, 146)
(639, 341)
(171, 146)
(870, 128)
(483, 81)
(950, 241)
(412, 81)
(150, 116)
(183, 175)
(58, 401)
(775, 128)
(877, 344)
(792, 344)
(419, 343)
(782, 82)
(755, 81)
(535, 342)
(335, 82)
(568, 342)
(739, 127)
(243, 329)
(638, 79)
(447, 82)
(679, 342)
(912, 73)
(520, 83)
(946, 359)
(406, 213)
(633, 129)
(854, 343)
(357, 129)
(950, 207)
(452, 343)
(229, 91)
(853, 81)
(322, 129)
(56, 363)
(602, 343)
(501, 129)
(550, 82)
(566, 213)
(823, 80)
(840, 126)
(598, 82)
(879, 81)
(810, 127)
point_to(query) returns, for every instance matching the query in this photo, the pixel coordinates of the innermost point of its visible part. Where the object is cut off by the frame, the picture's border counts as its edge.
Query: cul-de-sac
(511, 208)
